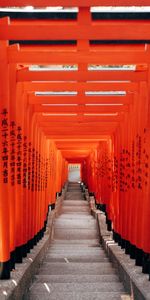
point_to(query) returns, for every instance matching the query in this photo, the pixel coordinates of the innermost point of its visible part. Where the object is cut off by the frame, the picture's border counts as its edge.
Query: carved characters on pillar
(127, 170)
(19, 155)
(12, 152)
(39, 173)
(33, 171)
(46, 173)
(121, 171)
(138, 162)
(29, 164)
(5, 146)
(115, 175)
(36, 171)
(133, 165)
(25, 161)
(145, 164)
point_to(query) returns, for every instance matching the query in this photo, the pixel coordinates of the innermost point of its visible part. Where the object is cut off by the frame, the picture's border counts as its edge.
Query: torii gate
(110, 126)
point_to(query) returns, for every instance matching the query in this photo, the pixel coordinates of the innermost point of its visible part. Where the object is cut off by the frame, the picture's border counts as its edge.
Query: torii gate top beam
(68, 3)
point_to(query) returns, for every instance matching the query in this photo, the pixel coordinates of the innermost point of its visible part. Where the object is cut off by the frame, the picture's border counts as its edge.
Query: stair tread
(77, 278)
(78, 296)
(75, 242)
(79, 287)
(84, 259)
(76, 268)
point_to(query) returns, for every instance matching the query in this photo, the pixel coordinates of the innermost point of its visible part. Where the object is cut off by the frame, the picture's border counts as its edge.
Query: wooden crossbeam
(75, 125)
(80, 130)
(67, 146)
(26, 75)
(79, 136)
(75, 47)
(76, 153)
(68, 30)
(79, 109)
(80, 86)
(78, 140)
(80, 99)
(102, 57)
(79, 118)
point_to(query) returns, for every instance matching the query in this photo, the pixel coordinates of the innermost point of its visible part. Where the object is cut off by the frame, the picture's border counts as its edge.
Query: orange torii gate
(114, 139)
(83, 3)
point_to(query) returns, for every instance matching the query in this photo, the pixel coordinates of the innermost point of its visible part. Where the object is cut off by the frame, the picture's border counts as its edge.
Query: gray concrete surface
(76, 266)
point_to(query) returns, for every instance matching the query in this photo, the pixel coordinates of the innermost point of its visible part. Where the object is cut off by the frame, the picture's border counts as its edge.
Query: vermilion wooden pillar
(12, 149)
(4, 165)
(145, 180)
(19, 207)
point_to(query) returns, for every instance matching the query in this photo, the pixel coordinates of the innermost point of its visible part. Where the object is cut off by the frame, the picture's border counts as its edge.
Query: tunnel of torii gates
(107, 133)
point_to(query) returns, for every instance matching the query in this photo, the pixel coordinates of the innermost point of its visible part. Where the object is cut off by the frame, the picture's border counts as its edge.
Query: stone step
(73, 186)
(74, 189)
(80, 213)
(79, 258)
(72, 193)
(70, 210)
(73, 253)
(78, 246)
(77, 268)
(80, 243)
(74, 196)
(74, 183)
(77, 296)
(78, 287)
(75, 203)
(75, 209)
(68, 234)
(71, 190)
(76, 278)
(74, 216)
(76, 225)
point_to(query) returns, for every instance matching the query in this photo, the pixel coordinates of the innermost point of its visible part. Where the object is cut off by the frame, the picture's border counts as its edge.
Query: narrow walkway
(76, 267)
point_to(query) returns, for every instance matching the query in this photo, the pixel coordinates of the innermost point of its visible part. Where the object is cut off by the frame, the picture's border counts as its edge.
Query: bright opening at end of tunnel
(102, 114)
(53, 67)
(59, 114)
(74, 172)
(56, 93)
(111, 67)
(110, 9)
(105, 93)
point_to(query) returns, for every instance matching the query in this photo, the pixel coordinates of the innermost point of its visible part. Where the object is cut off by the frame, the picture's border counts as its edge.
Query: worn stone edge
(21, 278)
(135, 282)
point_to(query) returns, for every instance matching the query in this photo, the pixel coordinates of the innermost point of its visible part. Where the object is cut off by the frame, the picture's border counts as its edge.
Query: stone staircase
(76, 266)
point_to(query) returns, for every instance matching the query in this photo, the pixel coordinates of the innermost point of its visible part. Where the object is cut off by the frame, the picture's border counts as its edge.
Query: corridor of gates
(75, 149)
